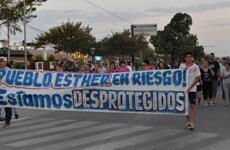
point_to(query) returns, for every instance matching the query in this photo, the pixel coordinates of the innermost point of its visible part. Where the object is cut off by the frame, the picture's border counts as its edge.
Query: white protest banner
(154, 92)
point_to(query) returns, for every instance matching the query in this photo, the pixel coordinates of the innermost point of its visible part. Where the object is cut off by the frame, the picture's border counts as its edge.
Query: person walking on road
(8, 110)
(194, 78)
(226, 83)
(207, 86)
(215, 66)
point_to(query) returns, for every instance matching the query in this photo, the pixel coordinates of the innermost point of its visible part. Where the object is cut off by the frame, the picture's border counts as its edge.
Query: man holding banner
(8, 110)
(194, 78)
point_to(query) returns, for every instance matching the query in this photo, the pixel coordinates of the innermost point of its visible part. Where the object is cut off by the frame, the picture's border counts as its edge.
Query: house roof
(3, 52)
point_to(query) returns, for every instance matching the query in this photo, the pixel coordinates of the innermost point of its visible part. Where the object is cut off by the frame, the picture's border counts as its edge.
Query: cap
(3, 59)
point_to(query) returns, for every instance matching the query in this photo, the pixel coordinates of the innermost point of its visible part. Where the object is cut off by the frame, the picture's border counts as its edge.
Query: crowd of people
(204, 78)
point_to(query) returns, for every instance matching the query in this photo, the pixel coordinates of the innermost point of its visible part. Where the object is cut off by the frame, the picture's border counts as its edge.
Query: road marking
(28, 122)
(221, 145)
(134, 140)
(94, 138)
(48, 138)
(17, 120)
(181, 142)
(32, 127)
(41, 132)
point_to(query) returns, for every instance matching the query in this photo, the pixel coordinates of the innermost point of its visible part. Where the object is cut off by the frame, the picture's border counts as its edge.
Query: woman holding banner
(194, 78)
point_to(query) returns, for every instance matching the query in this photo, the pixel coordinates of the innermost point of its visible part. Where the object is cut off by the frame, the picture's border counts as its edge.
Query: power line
(107, 11)
(35, 28)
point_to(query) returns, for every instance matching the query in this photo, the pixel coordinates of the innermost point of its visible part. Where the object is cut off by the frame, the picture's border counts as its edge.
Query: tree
(69, 37)
(124, 44)
(12, 12)
(176, 38)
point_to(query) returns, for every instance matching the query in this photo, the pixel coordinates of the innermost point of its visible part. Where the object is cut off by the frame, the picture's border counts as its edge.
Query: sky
(211, 18)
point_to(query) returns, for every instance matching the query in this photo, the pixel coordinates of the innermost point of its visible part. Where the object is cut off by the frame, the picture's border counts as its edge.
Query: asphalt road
(50, 130)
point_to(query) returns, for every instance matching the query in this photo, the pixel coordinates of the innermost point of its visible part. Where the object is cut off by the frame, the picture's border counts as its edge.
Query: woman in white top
(226, 82)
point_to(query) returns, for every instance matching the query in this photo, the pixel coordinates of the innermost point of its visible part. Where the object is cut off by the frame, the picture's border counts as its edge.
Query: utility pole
(25, 49)
(8, 42)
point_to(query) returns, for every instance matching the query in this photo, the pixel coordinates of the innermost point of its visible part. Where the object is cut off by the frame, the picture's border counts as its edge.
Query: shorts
(192, 98)
(199, 88)
(207, 91)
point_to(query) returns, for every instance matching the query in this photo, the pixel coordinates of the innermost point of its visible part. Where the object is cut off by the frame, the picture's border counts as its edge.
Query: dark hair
(161, 63)
(147, 62)
(188, 53)
(122, 62)
(212, 54)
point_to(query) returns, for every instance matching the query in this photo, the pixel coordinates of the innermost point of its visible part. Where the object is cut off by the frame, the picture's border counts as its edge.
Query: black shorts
(192, 98)
(199, 88)
(207, 91)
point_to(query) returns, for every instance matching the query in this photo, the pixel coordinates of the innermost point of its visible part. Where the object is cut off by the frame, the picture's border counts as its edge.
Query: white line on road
(182, 141)
(32, 128)
(134, 140)
(41, 132)
(94, 138)
(28, 122)
(49, 138)
(16, 120)
(222, 145)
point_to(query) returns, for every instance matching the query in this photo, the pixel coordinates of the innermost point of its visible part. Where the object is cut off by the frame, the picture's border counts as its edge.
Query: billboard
(145, 29)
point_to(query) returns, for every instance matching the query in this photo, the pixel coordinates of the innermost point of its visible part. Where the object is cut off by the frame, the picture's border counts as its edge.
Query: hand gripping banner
(153, 92)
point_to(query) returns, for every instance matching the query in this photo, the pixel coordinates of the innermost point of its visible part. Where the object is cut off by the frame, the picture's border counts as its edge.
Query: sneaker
(191, 126)
(211, 103)
(188, 124)
(16, 116)
(2, 119)
(206, 104)
(6, 125)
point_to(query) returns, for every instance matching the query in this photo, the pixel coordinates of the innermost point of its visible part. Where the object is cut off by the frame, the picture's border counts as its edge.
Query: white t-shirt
(194, 71)
(130, 68)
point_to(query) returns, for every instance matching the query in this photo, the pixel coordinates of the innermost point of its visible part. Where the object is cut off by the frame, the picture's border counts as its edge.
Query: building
(16, 56)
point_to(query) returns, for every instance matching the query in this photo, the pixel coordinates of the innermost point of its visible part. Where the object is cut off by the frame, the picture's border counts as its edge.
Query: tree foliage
(68, 37)
(51, 57)
(12, 12)
(123, 43)
(176, 38)
(39, 58)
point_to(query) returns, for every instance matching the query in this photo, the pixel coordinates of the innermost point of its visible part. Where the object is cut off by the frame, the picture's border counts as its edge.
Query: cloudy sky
(211, 18)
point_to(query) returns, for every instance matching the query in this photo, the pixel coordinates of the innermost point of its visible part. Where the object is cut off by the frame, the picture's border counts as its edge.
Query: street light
(4, 44)
(92, 50)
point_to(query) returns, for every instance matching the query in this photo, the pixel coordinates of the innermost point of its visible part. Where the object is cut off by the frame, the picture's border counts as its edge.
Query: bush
(39, 58)
(51, 57)
(19, 66)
